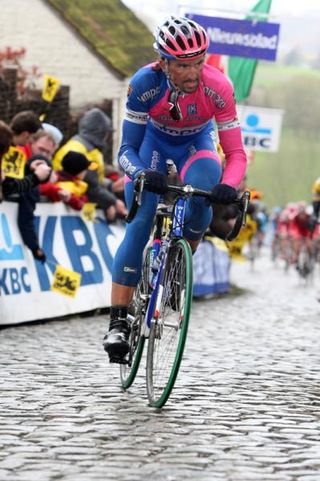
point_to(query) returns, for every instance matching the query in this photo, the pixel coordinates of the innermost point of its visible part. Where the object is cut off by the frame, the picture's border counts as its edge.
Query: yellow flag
(245, 235)
(50, 88)
(235, 250)
(88, 211)
(218, 243)
(13, 163)
(66, 282)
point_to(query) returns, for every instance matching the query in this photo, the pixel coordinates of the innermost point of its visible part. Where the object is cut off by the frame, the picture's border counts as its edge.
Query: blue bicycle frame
(162, 252)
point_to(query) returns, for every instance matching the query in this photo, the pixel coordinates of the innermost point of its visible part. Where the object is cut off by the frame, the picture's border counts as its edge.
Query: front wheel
(170, 324)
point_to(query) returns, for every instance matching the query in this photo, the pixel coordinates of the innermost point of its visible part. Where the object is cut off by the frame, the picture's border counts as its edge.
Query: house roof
(112, 30)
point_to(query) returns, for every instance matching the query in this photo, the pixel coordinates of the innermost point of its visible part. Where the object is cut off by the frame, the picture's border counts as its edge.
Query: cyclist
(169, 112)
(299, 229)
(316, 198)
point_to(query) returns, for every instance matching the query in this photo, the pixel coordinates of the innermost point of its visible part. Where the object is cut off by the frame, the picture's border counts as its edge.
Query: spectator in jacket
(40, 171)
(23, 125)
(41, 143)
(94, 127)
(26, 207)
(67, 185)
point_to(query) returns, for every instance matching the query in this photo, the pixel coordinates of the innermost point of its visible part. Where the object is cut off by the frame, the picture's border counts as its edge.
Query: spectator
(40, 171)
(27, 205)
(41, 143)
(316, 200)
(54, 131)
(23, 125)
(41, 147)
(94, 127)
(67, 185)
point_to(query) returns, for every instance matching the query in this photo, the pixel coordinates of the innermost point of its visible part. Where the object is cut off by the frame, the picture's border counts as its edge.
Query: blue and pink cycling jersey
(151, 136)
(148, 108)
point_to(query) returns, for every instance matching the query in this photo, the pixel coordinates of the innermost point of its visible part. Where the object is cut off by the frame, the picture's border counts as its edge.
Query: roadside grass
(286, 175)
(269, 74)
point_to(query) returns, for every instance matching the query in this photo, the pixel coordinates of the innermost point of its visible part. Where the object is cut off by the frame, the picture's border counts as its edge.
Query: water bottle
(155, 255)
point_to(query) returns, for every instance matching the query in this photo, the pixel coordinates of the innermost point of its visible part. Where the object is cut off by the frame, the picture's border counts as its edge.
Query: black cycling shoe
(116, 341)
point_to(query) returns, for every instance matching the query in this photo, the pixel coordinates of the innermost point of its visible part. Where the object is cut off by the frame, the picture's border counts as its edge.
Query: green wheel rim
(159, 401)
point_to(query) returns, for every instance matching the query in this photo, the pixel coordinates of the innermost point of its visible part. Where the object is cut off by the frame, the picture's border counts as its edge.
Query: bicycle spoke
(169, 329)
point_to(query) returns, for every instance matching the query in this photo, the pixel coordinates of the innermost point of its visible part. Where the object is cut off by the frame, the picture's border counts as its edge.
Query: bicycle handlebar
(189, 191)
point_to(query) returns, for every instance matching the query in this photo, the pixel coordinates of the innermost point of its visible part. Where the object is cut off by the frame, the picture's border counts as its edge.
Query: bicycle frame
(175, 231)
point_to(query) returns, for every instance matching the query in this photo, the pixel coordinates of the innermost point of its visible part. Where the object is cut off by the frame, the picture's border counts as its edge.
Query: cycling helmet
(181, 38)
(316, 186)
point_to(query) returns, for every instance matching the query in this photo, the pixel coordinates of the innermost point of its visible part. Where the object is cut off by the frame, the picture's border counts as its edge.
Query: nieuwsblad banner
(76, 276)
(240, 38)
(260, 127)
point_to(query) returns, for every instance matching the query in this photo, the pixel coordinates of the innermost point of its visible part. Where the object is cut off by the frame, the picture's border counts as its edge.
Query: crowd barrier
(211, 268)
(28, 288)
(69, 241)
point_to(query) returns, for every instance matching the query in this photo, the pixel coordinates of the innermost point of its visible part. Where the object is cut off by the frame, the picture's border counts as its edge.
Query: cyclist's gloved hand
(156, 182)
(223, 194)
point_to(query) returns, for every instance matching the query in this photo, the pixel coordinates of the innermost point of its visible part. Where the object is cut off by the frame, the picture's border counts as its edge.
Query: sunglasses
(174, 109)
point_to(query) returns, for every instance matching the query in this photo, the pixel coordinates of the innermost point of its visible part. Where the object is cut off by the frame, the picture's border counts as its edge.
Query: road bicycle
(161, 305)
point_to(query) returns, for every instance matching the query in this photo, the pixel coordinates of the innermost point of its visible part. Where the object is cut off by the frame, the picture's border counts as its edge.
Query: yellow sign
(88, 211)
(13, 163)
(51, 86)
(66, 282)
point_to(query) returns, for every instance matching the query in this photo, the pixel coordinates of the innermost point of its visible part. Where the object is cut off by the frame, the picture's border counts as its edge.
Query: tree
(26, 78)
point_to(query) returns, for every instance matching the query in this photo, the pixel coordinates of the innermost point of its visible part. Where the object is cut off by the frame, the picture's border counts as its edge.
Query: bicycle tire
(137, 310)
(305, 265)
(163, 360)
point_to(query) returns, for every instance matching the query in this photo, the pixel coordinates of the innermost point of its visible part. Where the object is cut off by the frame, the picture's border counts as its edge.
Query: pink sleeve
(230, 137)
(236, 160)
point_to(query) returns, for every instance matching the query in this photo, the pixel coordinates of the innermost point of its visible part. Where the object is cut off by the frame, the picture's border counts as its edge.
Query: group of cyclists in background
(291, 231)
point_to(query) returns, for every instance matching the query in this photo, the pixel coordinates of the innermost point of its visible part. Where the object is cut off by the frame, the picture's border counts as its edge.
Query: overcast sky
(155, 10)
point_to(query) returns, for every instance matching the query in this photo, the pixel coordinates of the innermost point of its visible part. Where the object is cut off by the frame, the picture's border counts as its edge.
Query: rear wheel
(137, 312)
(305, 264)
(170, 325)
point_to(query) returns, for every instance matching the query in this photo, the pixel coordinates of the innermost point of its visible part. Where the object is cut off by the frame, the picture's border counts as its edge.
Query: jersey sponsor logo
(155, 159)
(149, 94)
(175, 131)
(136, 117)
(218, 100)
(130, 270)
(127, 166)
(232, 124)
(192, 109)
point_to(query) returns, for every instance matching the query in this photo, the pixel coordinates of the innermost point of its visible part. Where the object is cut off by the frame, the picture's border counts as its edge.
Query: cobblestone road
(246, 405)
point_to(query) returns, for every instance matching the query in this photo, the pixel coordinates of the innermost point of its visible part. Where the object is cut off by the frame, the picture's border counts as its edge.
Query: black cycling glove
(223, 194)
(156, 181)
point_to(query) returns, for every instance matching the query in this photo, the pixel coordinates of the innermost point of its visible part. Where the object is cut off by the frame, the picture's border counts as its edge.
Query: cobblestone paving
(246, 405)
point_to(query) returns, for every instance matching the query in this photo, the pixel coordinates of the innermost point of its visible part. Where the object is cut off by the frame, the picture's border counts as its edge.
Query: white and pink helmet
(180, 38)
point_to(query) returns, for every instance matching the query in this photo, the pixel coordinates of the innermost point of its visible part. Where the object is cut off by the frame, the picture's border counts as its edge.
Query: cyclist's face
(185, 74)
